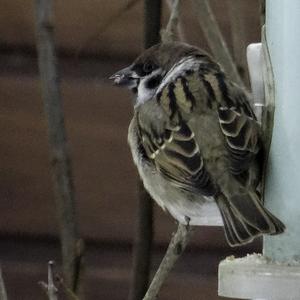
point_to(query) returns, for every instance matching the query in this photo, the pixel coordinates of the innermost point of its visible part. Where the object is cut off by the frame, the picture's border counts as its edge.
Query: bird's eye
(148, 67)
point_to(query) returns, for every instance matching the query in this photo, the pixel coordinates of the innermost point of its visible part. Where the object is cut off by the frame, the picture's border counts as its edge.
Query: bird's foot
(187, 219)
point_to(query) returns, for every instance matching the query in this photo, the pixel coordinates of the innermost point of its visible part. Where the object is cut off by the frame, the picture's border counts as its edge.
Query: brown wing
(169, 142)
(207, 88)
(241, 131)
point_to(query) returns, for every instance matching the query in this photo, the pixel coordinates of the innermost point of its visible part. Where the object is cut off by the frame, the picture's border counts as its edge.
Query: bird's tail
(245, 218)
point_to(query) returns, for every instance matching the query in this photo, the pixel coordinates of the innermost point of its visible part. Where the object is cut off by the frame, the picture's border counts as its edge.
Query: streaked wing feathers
(177, 157)
(241, 134)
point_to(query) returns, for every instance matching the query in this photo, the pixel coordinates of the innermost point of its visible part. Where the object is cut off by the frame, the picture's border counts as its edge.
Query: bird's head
(144, 76)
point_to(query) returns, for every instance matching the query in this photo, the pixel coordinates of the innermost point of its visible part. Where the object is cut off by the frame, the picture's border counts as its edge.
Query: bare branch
(144, 223)
(3, 294)
(152, 22)
(215, 38)
(180, 239)
(169, 34)
(60, 157)
(238, 30)
(142, 246)
(49, 287)
(181, 35)
(175, 249)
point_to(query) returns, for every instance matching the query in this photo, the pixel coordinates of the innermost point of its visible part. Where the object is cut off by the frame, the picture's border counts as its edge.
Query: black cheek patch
(138, 69)
(153, 82)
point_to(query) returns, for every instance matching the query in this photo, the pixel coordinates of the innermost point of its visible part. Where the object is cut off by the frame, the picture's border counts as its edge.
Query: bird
(195, 140)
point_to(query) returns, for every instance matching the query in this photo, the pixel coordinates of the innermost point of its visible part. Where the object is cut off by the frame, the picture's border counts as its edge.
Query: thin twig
(59, 152)
(169, 34)
(262, 12)
(238, 33)
(49, 287)
(215, 38)
(3, 294)
(175, 249)
(181, 34)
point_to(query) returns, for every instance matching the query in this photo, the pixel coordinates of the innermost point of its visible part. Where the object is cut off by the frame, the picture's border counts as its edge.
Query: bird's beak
(124, 77)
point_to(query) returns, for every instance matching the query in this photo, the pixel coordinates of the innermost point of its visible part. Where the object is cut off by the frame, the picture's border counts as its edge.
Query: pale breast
(200, 210)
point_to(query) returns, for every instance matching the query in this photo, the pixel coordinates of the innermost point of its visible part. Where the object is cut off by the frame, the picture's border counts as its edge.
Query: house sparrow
(195, 139)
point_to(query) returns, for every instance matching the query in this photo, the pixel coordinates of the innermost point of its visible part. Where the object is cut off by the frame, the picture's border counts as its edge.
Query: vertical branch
(142, 245)
(60, 157)
(174, 22)
(180, 239)
(3, 294)
(238, 30)
(215, 38)
(144, 225)
(152, 22)
(169, 34)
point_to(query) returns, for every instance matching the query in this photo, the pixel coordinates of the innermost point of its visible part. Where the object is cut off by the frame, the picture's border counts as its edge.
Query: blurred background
(94, 38)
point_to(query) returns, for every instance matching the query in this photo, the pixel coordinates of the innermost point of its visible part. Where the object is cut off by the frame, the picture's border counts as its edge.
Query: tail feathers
(245, 218)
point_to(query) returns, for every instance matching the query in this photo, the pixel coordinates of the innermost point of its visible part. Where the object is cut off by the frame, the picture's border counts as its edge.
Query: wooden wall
(97, 116)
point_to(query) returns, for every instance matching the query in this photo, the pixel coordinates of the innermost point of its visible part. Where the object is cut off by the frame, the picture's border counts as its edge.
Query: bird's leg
(188, 220)
(179, 248)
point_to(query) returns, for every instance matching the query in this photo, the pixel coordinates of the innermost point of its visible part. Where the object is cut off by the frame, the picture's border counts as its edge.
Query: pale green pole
(282, 195)
(276, 275)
